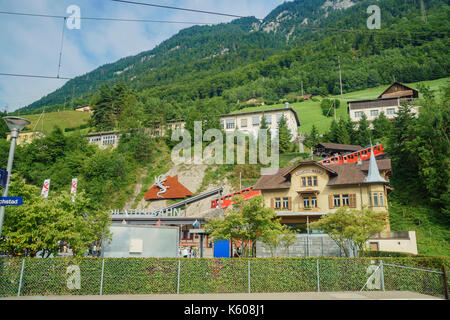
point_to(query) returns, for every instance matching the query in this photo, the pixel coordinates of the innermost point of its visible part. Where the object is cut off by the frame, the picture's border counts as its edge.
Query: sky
(31, 45)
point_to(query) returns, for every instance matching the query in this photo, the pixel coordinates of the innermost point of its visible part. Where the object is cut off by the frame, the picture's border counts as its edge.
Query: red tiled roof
(175, 190)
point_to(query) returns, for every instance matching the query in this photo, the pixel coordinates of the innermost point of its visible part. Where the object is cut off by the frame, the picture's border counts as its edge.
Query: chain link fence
(112, 276)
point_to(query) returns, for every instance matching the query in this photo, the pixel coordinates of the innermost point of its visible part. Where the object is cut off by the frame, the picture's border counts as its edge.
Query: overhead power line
(178, 8)
(33, 76)
(102, 18)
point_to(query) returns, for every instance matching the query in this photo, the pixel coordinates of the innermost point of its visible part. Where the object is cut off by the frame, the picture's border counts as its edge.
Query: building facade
(26, 137)
(250, 122)
(247, 123)
(388, 103)
(103, 140)
(304, 193)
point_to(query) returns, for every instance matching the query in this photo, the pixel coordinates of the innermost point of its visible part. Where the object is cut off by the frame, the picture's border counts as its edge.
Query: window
(243, 123)
(279, 117)
(230, 124)
(337, 200)
(375, 199)
(309, 181)
(309, 202)
(109, 139)
(390, 111)
(345, 200)
(277, 203)
(374, 113)
(358, 114)
(285, 203)
(255, 121)
(268, 119)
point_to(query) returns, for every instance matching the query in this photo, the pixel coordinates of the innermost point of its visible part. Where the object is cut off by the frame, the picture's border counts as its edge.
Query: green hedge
(158, 276)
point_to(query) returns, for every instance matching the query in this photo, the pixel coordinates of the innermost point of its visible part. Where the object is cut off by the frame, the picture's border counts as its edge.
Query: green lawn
(63, 119)
(310, 114)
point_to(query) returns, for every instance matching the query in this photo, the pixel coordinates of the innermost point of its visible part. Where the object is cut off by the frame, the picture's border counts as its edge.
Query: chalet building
(309, 190)
(250, 122)
(388, 102)
(26, 137)
(325, 150)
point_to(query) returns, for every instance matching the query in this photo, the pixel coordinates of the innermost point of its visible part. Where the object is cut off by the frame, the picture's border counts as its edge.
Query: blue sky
(30, 45)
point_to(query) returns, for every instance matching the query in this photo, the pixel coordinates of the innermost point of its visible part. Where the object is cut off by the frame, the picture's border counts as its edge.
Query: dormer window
(309, 181)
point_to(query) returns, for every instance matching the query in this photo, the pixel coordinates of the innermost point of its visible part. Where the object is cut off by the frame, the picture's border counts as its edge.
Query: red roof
(175, 190)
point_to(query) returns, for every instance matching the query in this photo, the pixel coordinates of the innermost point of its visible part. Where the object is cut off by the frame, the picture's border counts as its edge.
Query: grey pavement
(372, 295)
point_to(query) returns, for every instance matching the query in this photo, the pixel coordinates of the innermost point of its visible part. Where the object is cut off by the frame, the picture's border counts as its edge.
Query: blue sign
(3, 178)
(222, 249)
(11, 201)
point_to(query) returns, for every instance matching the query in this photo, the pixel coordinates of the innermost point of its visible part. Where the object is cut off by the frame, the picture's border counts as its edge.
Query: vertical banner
(73, 190)
(45, 188)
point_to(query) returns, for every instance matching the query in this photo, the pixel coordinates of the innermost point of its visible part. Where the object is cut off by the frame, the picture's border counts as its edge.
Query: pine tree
(333, 134)
(343, 136)
(284, 136)
(312, 139)
(381, 126)
(363, 133)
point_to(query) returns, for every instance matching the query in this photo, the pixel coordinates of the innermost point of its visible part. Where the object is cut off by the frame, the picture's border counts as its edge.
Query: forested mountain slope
(299, 42)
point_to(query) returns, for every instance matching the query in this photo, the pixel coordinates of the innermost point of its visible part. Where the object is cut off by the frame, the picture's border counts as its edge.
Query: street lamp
(15, 124)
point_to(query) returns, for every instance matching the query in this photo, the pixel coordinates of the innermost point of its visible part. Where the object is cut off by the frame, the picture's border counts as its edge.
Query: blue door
(221, 249)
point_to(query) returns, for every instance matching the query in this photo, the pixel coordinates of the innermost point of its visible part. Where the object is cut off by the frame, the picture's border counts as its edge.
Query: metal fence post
(21, 277)
(101, 279)
(248, 276)
(444, 278)
(178, 279)
(318, 277)
(382, 275)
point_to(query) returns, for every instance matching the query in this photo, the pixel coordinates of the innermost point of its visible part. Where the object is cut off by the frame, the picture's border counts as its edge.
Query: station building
(309, 190)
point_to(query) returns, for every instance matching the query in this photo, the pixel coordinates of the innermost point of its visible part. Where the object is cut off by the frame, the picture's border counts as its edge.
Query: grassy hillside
(62, 119)
(310, 113)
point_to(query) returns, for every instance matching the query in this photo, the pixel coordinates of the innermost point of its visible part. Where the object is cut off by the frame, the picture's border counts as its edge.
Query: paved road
(374, 295)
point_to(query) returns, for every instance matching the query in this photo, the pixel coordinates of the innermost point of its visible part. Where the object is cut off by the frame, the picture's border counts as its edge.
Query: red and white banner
(45, 188)
(73, 191)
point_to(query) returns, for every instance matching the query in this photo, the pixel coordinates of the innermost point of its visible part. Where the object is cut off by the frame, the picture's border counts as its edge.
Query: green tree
(351, 228)
(363, 133)
(381, 126)
(313, 138)
(333, 133)
(39, 223)
(343, 135)
(429, 147)
(4, 130)
(248, 221)
(284, 136)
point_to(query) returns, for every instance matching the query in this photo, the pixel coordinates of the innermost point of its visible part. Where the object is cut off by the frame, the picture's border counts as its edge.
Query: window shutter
(290, 203)
(272, 203)
(330, 201)
(353, 201)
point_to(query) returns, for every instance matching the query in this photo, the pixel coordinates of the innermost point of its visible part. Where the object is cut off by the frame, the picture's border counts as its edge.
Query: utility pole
(334, 106)
(340, 76)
